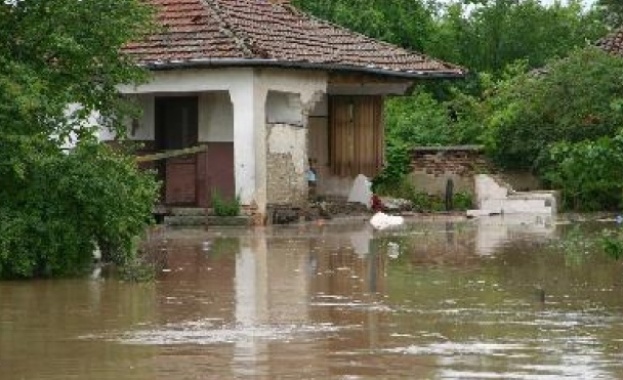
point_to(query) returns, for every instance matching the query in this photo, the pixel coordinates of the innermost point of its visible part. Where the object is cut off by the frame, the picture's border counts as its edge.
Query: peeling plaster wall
(286, 163)
(284, 108)
(310, 86)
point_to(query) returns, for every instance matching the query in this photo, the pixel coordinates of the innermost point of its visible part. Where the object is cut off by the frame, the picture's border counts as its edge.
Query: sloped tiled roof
(612, 43)
(261, 32)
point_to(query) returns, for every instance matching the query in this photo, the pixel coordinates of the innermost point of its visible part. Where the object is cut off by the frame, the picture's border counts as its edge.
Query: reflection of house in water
(438, 243)
(349, 262)
(276, 280)
(269, 289)
(493, 232)
(463, 242)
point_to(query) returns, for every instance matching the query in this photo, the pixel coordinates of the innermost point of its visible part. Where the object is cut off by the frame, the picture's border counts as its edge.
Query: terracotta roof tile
(253, 32)
(612, 43)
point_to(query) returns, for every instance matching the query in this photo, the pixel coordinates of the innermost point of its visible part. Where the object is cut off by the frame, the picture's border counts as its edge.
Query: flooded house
(257, 92)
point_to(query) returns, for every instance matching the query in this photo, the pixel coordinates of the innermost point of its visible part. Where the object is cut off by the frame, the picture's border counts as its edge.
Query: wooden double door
(190, 180)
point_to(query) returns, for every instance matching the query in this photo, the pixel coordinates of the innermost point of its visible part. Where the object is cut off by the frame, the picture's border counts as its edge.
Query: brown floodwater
(436, 299)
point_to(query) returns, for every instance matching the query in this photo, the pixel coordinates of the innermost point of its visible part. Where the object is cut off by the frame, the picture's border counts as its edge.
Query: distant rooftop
(612, 43)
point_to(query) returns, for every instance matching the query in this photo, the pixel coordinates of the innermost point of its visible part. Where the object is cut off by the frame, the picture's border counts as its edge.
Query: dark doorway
(176, 127)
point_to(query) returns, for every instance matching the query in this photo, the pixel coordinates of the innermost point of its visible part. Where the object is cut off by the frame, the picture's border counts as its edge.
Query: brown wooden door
(177, 128)
(220, 170)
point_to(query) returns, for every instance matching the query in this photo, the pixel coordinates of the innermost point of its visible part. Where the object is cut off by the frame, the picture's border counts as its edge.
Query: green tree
(560, 121)
(611, 11)
(54, 206)
(588, 173)
(491, 34)
(404, 22)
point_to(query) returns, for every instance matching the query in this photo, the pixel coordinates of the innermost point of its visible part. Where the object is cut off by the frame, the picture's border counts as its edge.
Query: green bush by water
(64, 205)
(225, 207)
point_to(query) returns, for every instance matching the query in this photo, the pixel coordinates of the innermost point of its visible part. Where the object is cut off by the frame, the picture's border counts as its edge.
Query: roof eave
(254, 62)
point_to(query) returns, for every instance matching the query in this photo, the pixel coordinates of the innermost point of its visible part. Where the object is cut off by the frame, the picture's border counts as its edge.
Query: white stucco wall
(144, 128)
(494, 198)
(216, 117)
(308, 86)
(321, 108)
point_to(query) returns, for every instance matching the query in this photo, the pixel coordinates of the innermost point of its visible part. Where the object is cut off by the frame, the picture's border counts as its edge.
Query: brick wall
(432, 167)
(445, 160)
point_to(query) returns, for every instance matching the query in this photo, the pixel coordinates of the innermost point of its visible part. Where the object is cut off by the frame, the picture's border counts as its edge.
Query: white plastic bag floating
(381, 221)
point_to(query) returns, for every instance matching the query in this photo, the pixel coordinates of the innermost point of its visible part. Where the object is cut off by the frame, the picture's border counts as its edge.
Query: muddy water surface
(437, 299)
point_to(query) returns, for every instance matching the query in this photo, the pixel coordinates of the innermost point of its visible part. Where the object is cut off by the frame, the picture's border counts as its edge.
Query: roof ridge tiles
(227, 28)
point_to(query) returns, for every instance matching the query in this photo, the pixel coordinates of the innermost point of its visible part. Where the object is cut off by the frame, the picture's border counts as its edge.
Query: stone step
(187, 211)
(185, 220)
(202, 220)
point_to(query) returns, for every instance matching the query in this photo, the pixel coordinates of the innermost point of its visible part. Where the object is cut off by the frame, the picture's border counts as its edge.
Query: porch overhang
(321, 66)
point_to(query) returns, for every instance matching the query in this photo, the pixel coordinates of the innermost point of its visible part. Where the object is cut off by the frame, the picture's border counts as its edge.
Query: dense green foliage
(54, 206)
(588, 172)
(419, 120)
(574, 99)
(611, 12)
(563, 123)
(500, 32)
(65, 204)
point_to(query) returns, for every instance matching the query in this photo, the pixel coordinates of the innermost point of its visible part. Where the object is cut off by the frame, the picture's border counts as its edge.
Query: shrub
(64, 204)
(424, 202)
(588, 173)
(397, 188)
(462, 201)
(225, 207)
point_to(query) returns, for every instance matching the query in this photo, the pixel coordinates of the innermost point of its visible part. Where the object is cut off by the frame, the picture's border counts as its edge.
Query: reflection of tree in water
(572, 263)
(225, 246)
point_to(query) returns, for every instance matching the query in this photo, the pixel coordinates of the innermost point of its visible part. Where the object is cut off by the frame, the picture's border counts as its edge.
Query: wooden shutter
(356, 135)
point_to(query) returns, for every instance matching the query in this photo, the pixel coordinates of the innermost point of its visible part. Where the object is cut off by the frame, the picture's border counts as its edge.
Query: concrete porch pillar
(248, 126)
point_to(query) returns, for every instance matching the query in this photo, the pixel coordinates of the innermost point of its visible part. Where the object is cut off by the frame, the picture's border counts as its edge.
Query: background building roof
(613, 42)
